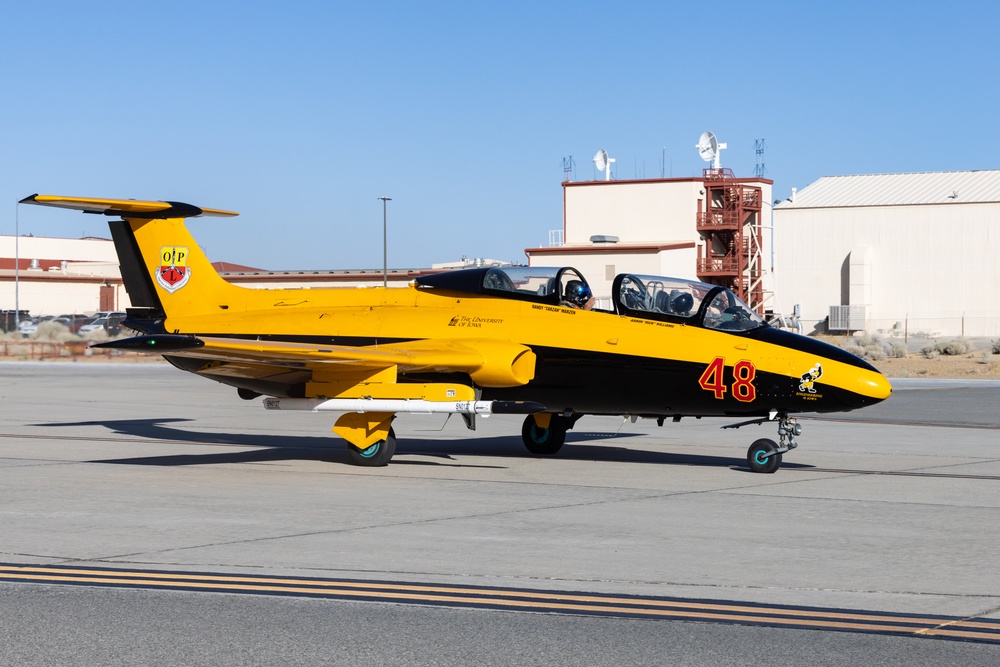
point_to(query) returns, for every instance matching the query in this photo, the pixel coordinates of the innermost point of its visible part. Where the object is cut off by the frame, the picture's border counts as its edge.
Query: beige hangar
(909, 254)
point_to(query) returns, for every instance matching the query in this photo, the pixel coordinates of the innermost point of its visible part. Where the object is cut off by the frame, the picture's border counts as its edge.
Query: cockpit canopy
(645, 297)
(682, 301)
(541, 284)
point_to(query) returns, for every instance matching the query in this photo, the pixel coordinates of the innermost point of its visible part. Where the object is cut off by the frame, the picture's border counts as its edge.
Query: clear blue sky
(300, 114)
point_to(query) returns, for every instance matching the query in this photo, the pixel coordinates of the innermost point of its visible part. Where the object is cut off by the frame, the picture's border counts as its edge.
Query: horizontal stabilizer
(157, 343)
(126, 208)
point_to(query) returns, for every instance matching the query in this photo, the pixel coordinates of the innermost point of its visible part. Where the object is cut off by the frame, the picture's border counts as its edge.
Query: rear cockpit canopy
(540, 284)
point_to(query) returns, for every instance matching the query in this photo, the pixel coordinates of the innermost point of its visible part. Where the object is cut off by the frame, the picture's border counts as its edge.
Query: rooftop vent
(601, 238)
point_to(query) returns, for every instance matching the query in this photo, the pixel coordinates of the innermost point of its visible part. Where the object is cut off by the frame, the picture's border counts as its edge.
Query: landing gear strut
(764, 455)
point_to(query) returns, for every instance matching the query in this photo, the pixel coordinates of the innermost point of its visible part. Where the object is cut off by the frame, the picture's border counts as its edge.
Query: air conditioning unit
(848, 318)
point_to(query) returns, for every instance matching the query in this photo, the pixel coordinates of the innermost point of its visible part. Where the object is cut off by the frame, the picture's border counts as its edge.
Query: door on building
(107, 297)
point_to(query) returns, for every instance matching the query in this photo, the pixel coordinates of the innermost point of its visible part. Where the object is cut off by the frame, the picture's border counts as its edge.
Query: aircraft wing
(490, 363)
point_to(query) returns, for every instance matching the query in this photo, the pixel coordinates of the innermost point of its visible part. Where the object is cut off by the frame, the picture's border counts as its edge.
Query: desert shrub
(97, 336)
(958, 346)
(955, 347)
(873, 347)
(930, 351)
(854, 349)
(874, 352)
(995, 348)
(868, 340)
(896, 349)
(53, 331)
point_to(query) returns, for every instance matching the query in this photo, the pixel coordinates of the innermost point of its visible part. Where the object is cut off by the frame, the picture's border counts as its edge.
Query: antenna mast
(760, 169)
(569, 165)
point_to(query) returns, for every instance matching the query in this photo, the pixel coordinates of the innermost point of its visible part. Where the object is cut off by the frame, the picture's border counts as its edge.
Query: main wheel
(763, 456)
(544, 441)
(378, 454)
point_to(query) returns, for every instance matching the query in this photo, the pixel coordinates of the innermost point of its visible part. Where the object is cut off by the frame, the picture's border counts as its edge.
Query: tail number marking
(744, 372)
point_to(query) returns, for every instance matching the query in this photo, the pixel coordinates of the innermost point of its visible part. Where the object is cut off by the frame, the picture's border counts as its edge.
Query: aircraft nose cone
(875, 386)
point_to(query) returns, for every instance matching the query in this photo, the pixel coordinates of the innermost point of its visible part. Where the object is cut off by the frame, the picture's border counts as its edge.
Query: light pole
(17, 273)
(385, 263)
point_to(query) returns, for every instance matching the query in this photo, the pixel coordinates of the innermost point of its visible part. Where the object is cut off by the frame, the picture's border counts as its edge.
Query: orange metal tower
(730, 225)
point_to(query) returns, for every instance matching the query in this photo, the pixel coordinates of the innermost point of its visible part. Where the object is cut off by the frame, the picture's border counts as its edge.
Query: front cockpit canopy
(682, 301)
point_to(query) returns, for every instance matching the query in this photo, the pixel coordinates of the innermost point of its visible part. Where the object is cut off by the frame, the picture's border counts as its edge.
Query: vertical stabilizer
(183, 281)
(162, 266)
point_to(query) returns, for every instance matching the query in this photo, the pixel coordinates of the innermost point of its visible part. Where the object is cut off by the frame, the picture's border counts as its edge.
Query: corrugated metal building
(917, 253)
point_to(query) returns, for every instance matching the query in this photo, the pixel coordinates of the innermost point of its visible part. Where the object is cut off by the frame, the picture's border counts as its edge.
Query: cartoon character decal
(809, 379)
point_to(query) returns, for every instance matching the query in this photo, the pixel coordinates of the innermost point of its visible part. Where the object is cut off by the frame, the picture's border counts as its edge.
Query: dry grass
(975, 365)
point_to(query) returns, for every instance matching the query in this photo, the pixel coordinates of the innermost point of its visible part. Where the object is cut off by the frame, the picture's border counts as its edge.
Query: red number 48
(744, 372)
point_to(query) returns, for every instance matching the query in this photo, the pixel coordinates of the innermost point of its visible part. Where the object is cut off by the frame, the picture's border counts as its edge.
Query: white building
(912, 253)
(666, 227)
(58, 276)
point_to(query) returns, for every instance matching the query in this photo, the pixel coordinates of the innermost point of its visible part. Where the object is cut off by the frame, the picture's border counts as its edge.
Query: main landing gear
(377, 454)
(764, 455)
(544, 433)
(544, 440)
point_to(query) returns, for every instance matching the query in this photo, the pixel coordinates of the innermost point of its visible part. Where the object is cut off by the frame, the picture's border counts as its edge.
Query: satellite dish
(603, 163)
(709, 147)
(601, 160)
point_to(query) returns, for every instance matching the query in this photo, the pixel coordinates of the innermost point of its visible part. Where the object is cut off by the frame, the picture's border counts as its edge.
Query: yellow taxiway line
(981, 629)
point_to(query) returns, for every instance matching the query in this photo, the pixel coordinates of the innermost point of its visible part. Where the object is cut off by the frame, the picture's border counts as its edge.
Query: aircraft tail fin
(163, 268)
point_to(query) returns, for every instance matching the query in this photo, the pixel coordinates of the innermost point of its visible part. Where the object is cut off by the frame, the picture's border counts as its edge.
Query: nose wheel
(764, 455)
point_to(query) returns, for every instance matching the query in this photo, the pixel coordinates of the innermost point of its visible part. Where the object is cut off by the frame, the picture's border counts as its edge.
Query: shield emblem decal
(173, 272)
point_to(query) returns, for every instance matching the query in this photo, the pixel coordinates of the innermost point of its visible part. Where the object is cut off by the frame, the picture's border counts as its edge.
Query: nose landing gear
(764, 455)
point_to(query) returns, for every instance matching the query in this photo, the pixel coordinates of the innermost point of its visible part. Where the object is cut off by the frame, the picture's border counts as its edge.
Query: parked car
(27, 327)
(94, 325)
(74, 321)
(114, 323)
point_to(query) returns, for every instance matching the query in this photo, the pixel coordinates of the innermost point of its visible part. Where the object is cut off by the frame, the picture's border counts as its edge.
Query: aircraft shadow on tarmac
(580, 446)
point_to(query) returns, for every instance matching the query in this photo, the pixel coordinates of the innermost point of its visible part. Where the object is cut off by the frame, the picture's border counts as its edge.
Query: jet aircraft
(473, 342)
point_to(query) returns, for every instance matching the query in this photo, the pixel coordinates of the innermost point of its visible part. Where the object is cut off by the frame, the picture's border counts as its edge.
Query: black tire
(763, 457)
(378, 454)
(544, 441)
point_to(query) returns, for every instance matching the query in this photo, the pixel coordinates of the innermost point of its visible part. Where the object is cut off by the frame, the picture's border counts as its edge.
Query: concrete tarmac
(890, 509)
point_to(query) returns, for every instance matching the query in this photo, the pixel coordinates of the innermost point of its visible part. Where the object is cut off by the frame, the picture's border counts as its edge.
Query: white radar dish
(709, 148)
(603, 163)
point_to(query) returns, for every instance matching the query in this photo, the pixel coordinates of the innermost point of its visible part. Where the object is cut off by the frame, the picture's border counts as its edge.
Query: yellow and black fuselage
(444, 338)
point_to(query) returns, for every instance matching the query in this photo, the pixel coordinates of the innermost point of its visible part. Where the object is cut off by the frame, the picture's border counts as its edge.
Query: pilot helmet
(577, 292)
(683, 302)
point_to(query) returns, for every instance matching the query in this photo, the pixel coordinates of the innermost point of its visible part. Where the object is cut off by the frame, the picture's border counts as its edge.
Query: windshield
(686, 301)
(727, 313)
